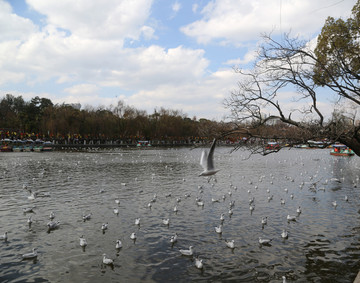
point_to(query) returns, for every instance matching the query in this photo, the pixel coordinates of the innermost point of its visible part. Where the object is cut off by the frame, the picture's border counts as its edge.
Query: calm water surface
(323, 243)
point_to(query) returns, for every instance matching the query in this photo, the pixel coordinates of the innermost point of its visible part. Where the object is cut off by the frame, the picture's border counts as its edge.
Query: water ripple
(323, 242)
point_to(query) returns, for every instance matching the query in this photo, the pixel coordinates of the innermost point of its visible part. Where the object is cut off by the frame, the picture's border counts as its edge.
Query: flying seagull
(207, 161)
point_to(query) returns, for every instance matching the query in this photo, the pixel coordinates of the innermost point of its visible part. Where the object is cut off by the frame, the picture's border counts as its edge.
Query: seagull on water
(173, 238)
(188, 252)
(86, 217)
(52, 215)
(28, 209)
(263, 241)
(222, 217)
(32, 195)
(107, 261)
(199, 202)
(291, 217)
(232, 204)
(53, 225)
(218, 229)
(154, 198)
(133, 236)
(137, 221)
(104, 226)
(264, 220)
(118, 244)
(175, 209)
(117, 201)
(284, 234)
(230, 244)
(166, 221)
(4, 236)
(334, 203)
(207, 161)
(29, 221)
(199, 263)
(116, 210)
(298, 210)
(31, 255)
(83, 242)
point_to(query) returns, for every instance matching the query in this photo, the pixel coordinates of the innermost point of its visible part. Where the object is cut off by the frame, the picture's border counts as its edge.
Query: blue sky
(149, 53)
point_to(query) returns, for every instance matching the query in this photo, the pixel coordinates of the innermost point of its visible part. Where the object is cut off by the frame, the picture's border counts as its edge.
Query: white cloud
(148, 32)
(111, 19)
(176, 7)
(13, 27)
(235, 22)
(82, 89)
(250, 56)
(152, 66)
(204, 99)
(53, 54)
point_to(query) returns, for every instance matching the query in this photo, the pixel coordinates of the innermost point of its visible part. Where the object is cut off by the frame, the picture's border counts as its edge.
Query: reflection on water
(323, 243)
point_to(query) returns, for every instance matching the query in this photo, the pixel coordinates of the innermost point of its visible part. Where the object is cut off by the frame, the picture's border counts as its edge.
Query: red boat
(341, 150)
(272, 146)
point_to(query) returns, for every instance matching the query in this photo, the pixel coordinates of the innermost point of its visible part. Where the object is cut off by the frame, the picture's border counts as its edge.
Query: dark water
(323, 244)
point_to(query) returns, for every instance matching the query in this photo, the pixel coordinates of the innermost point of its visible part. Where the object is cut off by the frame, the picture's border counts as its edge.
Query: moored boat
(143, 143)
(29, 144)
(316, 144)
(38, 145)
(47, 146)
(341, 150)
(6, 145)
(18, 145)
(272, 146)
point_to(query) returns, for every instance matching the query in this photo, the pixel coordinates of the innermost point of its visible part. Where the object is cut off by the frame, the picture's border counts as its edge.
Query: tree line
(41, 118)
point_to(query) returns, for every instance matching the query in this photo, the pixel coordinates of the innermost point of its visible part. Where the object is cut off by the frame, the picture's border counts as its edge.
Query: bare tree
(292, 72)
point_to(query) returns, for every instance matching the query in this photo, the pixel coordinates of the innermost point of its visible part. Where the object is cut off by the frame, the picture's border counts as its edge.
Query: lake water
(323, 243)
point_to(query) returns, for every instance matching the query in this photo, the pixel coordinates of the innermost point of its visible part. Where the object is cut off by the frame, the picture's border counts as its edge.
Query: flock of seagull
(208, 166)
(207, 162)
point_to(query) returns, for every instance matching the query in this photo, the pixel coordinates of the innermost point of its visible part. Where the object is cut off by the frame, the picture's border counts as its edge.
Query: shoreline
(80, 147)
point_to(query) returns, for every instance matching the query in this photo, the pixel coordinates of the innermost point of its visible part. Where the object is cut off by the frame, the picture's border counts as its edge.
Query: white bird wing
(210, 161)
(203, 159)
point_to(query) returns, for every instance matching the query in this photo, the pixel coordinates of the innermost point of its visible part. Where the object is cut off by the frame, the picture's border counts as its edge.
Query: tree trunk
(351, 142)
